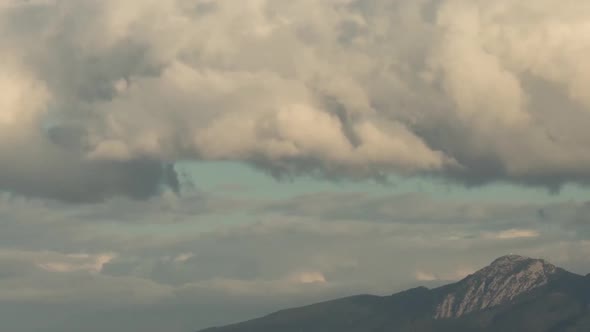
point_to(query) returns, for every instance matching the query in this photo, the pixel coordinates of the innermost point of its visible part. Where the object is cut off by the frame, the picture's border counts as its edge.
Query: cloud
(183, 257)
(425, 276)
(172, 263)
(514, 234)
(309, 278)
(402, 208)
(78, 262)
(101, 98)
(95, 91)
(458, 274)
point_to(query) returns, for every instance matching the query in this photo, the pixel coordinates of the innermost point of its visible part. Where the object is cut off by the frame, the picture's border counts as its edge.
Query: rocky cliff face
(502, 281)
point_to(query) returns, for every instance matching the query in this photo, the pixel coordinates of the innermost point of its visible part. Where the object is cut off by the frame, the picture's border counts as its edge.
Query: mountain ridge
(513, 293)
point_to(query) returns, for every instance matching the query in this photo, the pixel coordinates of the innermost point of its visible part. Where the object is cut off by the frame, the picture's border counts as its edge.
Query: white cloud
(308, 278)
(513, 234)
(78, 262)
(183, 257)
(425, 276)
(340, 88)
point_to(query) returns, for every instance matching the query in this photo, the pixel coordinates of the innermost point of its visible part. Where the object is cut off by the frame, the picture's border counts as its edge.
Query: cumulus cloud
(471, 90)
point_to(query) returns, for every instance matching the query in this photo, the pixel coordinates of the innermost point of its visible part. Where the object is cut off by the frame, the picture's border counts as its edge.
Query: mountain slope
(502, 281)
(514, 293)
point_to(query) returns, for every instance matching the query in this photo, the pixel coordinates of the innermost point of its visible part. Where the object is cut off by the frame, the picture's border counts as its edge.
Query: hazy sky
(168, 165)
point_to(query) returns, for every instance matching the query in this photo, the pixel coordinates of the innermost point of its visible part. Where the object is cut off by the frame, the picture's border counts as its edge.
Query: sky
(170, 165)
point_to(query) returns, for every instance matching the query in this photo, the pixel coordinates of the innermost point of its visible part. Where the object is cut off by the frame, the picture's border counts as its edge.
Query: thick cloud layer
(98, 95)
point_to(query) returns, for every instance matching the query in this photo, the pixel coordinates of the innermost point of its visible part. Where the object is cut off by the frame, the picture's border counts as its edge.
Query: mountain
(502, 281)
(513, 293)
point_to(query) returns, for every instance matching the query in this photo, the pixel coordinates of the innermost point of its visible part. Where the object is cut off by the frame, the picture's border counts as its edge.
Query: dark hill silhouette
(513, 293)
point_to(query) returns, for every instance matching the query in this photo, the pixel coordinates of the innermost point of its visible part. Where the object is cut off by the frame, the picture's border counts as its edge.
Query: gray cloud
(342, 88)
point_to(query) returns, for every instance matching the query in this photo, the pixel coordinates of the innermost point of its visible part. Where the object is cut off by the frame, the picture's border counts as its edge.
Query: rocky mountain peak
(509, 259)
(500, 282)
(514, 264)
